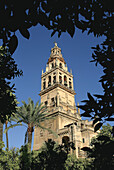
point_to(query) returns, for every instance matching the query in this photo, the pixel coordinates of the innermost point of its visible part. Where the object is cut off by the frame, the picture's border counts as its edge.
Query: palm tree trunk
(30, 130)
(7, 143)
(1, 131)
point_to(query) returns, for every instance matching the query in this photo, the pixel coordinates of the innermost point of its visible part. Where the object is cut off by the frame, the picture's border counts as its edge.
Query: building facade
(57, 93)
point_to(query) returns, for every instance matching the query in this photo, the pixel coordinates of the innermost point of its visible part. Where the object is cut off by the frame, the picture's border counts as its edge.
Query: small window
(52, 65)
(44, 85)
(70, 86)
(60, 73)
(60, 65)
(46, 102)
(54, 79)
(60, 79)
(52, 102)
(82, 126)
(65, 80)
(49, 81)
(52, 99)
(83, 140)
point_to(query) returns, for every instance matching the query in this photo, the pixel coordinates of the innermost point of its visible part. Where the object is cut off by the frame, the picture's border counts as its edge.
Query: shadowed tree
(51, 156)
(102, 149)
(8, 71)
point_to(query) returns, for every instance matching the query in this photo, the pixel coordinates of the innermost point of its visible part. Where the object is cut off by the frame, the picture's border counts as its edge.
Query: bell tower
(57, 93)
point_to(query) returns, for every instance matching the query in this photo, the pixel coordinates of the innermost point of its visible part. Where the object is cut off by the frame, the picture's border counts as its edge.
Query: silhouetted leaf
(71, 28)
(25, 33)
(90, 97)
(98, 96)
(110, 119)
(53, 33)
(97, 127)
(13, 44)
(85, 114)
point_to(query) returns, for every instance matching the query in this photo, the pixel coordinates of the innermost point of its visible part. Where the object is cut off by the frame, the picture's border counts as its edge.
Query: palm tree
(30, 115)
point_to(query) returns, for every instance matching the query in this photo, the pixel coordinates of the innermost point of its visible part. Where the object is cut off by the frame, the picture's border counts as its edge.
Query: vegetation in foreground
(55, 157)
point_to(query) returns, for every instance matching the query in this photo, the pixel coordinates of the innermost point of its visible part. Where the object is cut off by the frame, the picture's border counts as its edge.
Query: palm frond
(48, 129)
(12, 126)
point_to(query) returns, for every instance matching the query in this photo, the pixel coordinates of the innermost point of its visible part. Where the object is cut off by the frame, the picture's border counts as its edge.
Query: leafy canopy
(8, 70)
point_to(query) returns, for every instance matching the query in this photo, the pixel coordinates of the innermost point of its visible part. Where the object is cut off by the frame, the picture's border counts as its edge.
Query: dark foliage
(102, 149)
(25, 158)
(51, 157)
(93, 16)
(8, 70)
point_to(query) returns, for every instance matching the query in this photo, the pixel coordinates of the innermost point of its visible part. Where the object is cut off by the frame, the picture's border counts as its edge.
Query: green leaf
(97, 127)
(12, 126)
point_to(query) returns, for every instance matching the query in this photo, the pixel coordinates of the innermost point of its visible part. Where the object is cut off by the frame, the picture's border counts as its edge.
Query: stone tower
(57, 93)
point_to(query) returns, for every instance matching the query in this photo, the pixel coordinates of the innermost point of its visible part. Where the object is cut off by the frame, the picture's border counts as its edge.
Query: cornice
(55, 86)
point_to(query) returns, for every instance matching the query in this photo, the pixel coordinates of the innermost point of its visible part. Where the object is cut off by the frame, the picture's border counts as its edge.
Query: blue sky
(32, 55)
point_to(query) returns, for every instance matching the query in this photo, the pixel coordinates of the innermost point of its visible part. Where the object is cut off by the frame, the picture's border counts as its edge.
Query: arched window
(65, 140)
(65, 80)
(52, 65)
(49, 81)
(60, 79)
(70, 85)
(54, 79)
(44, 84)
(60, 65)
(82, 126)
(83, 140)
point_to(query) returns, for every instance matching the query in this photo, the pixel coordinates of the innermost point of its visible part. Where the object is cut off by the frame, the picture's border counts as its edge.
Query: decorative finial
(55, 44)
